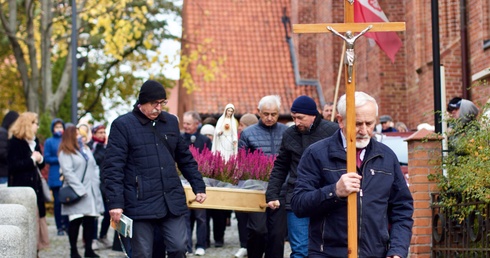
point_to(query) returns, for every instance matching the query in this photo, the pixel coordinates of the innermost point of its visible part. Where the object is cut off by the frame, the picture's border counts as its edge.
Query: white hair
(361, 100)
(270, 100)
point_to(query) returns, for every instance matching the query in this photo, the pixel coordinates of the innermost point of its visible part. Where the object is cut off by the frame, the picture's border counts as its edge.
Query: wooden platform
(221, 198)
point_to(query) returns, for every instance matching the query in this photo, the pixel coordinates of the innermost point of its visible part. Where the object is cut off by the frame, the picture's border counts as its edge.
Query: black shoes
(219, 243)
(91, 254)
(74, 253)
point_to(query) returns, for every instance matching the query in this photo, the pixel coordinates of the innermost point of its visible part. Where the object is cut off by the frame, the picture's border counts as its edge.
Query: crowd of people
(136, 172)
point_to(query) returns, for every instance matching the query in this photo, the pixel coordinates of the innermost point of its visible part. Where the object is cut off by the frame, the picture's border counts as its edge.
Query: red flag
(369, 11)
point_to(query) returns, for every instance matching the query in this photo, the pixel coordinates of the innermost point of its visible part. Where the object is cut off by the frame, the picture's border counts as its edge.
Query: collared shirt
(344, 143)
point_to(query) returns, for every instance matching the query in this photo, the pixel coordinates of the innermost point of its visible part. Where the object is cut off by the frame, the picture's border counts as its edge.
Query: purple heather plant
(242, 166)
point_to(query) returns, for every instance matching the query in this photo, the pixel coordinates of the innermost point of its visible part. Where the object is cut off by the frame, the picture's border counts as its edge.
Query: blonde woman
(25, 160)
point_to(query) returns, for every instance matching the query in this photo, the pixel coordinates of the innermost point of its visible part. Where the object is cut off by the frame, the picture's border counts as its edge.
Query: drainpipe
(436, 66)
(297, 79)
(465, 67)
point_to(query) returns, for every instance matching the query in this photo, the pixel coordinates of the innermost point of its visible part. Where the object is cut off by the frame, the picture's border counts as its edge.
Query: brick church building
(257, 54)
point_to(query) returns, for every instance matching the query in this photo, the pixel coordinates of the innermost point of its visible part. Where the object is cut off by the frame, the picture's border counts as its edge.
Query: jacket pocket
(375, 172)
(139, 188)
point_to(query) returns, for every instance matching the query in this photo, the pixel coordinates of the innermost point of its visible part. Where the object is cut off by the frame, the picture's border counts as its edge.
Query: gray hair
(361, 100)
(270, 100)
(194, 114)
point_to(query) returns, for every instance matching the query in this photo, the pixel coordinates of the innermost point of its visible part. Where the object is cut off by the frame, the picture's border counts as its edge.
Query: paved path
(59, 246)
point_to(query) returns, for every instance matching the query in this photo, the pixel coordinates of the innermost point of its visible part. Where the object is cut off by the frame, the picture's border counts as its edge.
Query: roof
(250, 37)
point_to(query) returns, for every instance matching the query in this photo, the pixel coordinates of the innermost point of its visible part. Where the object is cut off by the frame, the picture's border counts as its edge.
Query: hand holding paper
(124, 226)
(115, 215)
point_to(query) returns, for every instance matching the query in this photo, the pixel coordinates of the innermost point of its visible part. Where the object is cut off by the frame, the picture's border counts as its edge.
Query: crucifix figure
(350, 87)
(349, 52)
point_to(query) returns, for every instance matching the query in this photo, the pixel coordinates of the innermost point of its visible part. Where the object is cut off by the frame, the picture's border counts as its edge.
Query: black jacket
(292, 146)
(200, 142)
(140, 175)
(259, 136)
(3, 152)
(23, 172)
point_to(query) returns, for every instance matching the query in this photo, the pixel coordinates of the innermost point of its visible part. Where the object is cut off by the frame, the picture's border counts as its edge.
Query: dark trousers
(257, 234)
(87, 223)
(277, 221)
(242, 219)
(173, 229)
(266, 233)
(219, 225)
(198, 217)
(116, 246)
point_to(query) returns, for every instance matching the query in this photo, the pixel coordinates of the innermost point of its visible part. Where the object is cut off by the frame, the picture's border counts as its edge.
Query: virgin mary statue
(225, 136)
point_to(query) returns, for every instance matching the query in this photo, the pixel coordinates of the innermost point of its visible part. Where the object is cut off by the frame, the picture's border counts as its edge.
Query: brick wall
(403, 89)
(424, 154)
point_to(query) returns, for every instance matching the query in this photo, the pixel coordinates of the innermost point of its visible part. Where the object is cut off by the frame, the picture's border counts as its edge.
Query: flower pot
(223, 198)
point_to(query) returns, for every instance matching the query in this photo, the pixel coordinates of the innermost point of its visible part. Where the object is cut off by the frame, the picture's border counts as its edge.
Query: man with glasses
(266, 231)
(140, 176)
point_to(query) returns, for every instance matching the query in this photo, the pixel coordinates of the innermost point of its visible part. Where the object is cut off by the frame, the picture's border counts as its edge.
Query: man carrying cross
(365, 11)
(385, 204)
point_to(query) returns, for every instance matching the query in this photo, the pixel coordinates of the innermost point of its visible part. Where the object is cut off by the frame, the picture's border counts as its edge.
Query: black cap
(151, 91)
(9, 119)
(304, 105)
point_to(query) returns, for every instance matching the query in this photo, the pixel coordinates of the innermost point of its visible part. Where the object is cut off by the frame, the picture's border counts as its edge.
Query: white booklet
(124, 227)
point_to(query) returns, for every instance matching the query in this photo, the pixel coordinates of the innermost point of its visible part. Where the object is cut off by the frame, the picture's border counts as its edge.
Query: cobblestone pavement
(59, 246)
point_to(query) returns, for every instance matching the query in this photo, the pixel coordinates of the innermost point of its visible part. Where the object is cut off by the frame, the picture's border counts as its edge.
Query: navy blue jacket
(200, 142)
(140, 175)
(385, 204)
(292, 147)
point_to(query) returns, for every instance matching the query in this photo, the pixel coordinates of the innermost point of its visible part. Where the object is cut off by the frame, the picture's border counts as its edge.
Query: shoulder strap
(85, 171)
(164, 140)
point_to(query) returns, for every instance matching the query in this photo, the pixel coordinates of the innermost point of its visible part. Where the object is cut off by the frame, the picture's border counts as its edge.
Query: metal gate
(468, 237)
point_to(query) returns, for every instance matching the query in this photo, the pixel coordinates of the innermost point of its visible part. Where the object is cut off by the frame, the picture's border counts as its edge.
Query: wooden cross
(349, 25)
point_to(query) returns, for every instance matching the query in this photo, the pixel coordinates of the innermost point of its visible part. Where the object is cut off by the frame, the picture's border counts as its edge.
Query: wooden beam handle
(344, 27)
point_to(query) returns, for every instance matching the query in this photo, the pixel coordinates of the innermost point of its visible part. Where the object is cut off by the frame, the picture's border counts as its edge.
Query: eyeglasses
(161, 103)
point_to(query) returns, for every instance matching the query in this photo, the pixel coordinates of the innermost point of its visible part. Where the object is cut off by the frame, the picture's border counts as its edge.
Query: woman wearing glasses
(25, 160)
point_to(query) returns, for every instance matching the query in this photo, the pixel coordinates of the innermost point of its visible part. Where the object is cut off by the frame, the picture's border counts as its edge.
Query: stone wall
(18, 218)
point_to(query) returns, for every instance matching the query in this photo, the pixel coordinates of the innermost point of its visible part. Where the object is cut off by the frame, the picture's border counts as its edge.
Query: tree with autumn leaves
(117, 38)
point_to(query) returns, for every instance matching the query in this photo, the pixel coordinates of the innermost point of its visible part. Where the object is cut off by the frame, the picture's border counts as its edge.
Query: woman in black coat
(25, 159)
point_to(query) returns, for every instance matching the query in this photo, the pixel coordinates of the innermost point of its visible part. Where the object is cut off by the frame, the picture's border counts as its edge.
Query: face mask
(59, 134)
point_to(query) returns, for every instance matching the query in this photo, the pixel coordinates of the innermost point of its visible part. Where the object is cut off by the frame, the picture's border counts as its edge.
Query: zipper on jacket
(323, 239)
(137, 188)
(374, 172)
(360, 204)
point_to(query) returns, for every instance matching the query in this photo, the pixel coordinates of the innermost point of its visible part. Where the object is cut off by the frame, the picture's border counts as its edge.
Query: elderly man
(193, 137)
(309, 127)
(140, 175)
(266, 135)
(385, 205)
